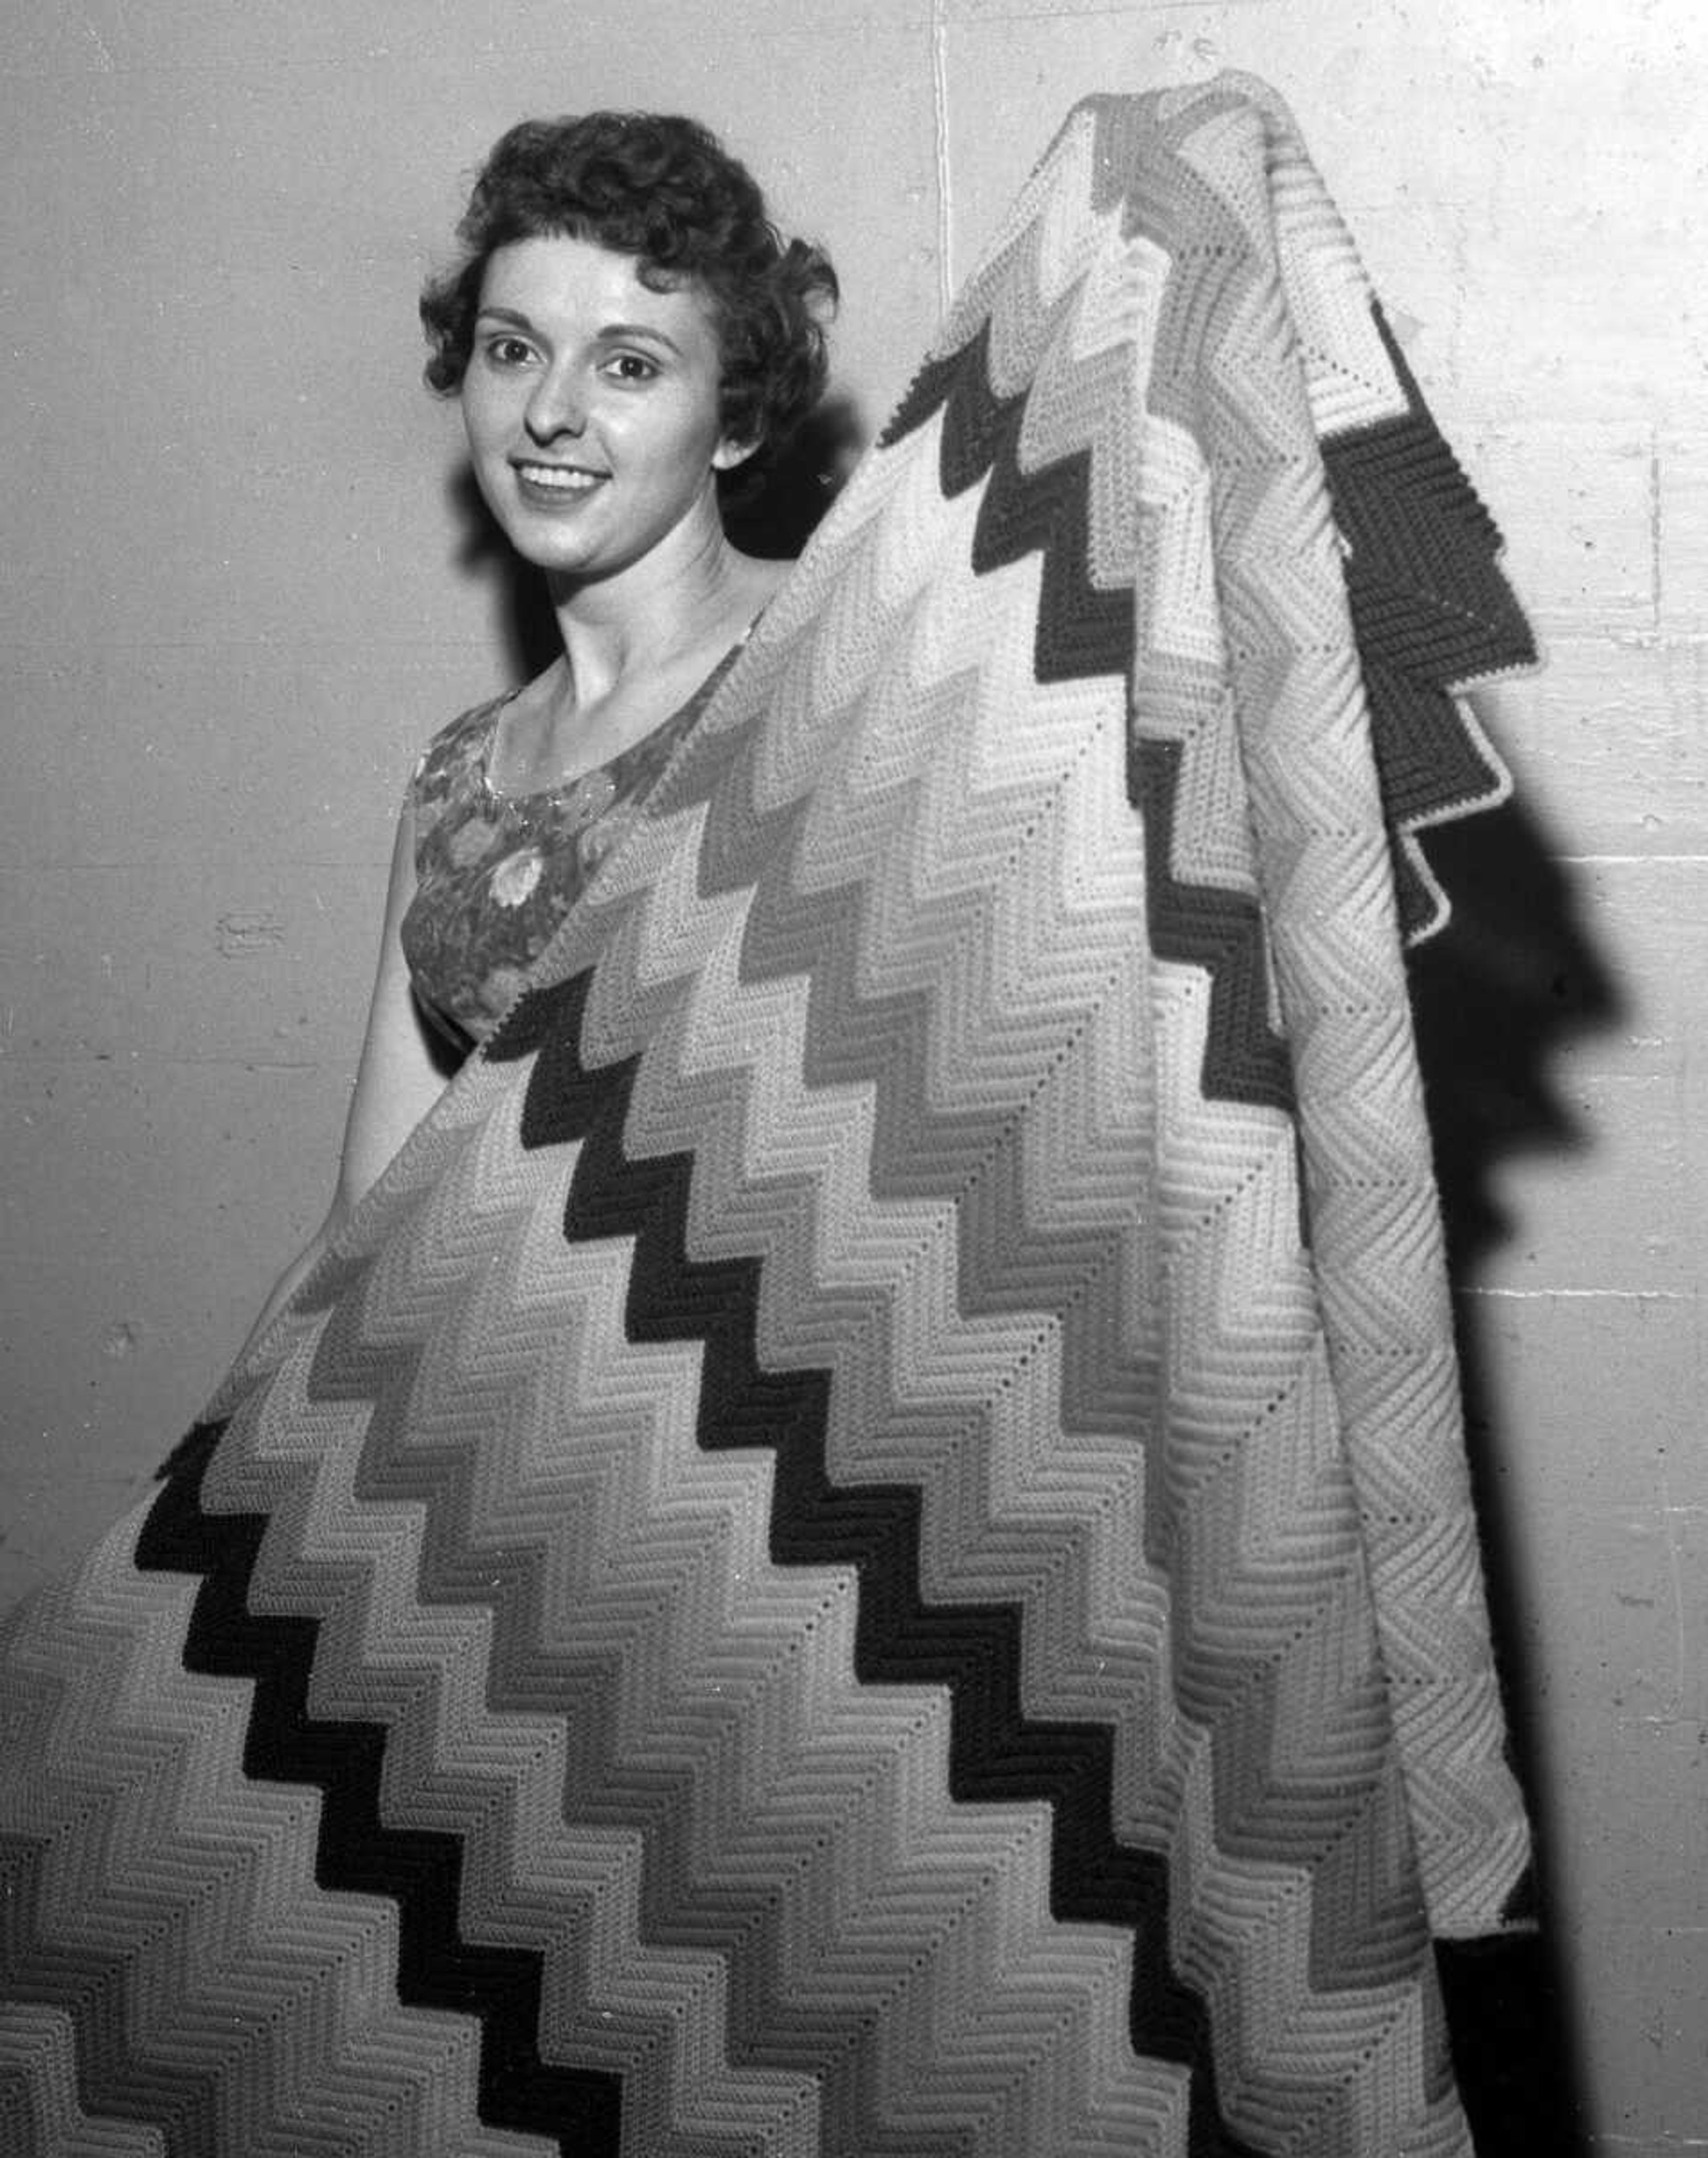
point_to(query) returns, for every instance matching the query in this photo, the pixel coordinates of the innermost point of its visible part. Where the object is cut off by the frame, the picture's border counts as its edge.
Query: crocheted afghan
(865, 1547)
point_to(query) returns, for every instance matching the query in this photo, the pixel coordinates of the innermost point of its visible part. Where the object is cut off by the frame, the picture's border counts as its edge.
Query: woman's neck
(635, 648)
(640, 622)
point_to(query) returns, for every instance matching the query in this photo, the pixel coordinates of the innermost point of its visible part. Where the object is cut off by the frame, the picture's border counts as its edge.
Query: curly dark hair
(663, 189)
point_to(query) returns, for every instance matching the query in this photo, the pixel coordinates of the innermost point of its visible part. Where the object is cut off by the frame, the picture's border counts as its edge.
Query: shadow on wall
(1496, 996)
(774, 516)
(1510, 980)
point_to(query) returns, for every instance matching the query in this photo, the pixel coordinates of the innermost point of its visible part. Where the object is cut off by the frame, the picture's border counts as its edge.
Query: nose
(556, 407)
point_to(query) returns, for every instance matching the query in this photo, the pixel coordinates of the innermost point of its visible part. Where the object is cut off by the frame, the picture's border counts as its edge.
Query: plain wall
(236, 604)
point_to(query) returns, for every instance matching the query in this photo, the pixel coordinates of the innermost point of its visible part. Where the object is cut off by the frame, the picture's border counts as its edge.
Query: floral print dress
(495, 873)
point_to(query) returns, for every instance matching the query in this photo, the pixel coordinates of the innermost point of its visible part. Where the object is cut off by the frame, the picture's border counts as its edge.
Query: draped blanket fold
(864, 1547)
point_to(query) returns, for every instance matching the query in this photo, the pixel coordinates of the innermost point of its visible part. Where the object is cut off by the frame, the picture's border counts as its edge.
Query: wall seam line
(939, 128)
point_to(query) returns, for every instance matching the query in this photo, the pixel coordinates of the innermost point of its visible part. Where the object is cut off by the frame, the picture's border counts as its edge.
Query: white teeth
(560, 477)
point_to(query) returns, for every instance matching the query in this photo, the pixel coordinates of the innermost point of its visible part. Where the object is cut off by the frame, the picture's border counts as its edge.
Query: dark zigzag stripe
(1202, 925)
(996, 1753)
(419, 1870)
(1431, 607)
(1083, 632)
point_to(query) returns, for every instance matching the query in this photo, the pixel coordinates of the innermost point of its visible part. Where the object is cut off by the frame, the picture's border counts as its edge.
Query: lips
(556, 482)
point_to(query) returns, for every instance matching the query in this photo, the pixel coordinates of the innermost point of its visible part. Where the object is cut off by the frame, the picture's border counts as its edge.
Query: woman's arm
(398, 1080)
(398, 1077)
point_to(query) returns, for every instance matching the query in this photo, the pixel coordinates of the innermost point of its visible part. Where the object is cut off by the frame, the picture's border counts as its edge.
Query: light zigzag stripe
(725, 1002)
(444, 1774)
(1251, 1951)
(1070, 303)
(1180, 645)
(723, 997)
(817, 662)
(1069, 392)
(658, 1689)
(781, 1172)
(863, 590)
(1223, 145)
(40, 2115)
(646, 1721)
(1040, 254)
(208, 1974)
(1319, 818)
(875, 554)
(939, 2019)
(382, 1219)
(934, 918)
(639, 930)
(947, 1061)
(1268, 1491)
(1348, 377)
(570, 1888)
(955, 1077)
(1085, 375)
(1290, 624)
(1334, 1035)
(713, 1000)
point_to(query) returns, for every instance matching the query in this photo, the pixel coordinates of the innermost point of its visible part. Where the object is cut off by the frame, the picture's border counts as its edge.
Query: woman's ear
(728, 455)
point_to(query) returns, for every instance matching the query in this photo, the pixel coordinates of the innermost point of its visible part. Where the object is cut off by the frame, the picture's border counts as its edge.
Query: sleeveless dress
(495, 873)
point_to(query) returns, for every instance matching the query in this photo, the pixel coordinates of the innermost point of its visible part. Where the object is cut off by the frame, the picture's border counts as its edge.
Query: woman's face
(592, 408)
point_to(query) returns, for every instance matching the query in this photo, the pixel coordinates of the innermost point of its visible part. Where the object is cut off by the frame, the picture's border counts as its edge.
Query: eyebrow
(609, 334)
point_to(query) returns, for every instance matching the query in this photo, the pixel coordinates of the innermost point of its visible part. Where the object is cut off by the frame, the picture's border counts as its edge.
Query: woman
(626, 329)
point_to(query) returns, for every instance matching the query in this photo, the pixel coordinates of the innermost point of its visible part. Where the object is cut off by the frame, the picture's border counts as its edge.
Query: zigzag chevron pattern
(863, 1547)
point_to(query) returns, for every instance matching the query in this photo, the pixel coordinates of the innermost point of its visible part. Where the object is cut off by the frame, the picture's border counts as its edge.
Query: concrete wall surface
(236, 601)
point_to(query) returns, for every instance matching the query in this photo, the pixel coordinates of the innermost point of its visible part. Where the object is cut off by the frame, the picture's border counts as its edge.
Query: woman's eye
(508, 351)
(630, 367)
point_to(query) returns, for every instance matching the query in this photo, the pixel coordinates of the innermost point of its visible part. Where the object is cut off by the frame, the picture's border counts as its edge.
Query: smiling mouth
(559, 479)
